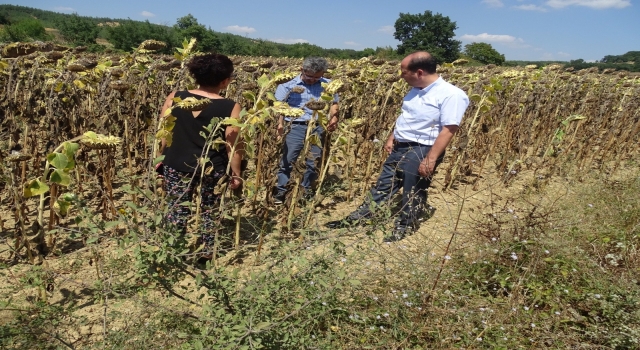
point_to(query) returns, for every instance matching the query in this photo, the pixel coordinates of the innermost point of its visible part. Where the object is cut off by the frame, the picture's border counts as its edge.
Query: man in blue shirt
(431, 114)
(297, 92)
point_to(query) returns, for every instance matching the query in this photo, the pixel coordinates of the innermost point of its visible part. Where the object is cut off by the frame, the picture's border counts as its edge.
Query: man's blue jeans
(400, 170)
(293, 144)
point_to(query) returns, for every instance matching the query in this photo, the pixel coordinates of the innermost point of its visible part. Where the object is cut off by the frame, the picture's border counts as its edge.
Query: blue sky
(520, 29)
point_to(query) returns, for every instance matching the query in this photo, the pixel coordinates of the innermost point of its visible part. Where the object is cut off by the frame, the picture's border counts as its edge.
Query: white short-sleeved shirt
(426, 111)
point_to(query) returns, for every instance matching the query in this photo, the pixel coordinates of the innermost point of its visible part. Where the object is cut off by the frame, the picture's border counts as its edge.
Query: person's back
(188, 143)
(182, 174)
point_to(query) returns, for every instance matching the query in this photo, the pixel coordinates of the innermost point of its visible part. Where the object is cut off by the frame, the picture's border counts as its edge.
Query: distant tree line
(626, 62)
(424, 31)
(24, 24)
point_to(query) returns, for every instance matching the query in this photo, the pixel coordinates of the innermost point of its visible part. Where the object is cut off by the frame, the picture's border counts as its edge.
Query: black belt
(412, 144)
(299, 122)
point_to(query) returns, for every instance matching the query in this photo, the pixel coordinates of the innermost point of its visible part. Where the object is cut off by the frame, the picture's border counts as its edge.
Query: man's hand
(235, 182)
(333, 124)
(388, 146)
(426, 167)
(280, 130)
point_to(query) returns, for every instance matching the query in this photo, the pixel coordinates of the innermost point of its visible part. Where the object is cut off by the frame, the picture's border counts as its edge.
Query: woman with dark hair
(182, 168)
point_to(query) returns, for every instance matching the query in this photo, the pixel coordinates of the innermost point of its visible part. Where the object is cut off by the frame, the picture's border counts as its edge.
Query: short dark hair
(425, 62)
(210, 69)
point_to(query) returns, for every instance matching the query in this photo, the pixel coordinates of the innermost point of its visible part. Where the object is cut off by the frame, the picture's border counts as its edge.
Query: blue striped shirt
(298, 100)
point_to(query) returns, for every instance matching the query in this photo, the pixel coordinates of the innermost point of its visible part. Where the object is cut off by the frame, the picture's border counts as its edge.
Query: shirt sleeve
(453, 108)
(281, 92)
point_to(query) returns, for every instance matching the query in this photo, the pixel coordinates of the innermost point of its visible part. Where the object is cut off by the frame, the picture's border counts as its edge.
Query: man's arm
(280, 95)
(235, 144)
(333, 117)
(168, 102)
(451, 112)
(428, 164)
(388, 145)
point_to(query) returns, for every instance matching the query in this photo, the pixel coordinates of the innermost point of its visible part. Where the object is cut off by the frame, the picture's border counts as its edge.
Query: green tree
(4, 18)
(231, 45)
(484, 53)
(386, 52)
(427, 32)
(129, 34)
(25, 30)
(79, 31)
(264, 48)
(188, 27)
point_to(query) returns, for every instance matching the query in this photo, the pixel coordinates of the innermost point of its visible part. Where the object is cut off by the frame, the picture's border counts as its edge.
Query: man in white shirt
(431, 114)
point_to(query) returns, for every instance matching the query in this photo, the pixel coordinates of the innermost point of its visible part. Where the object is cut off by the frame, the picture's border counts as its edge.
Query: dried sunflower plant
(510, 250)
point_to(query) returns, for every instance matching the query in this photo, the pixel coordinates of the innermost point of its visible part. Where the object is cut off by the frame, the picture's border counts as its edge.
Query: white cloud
(531, 7)
(351, 43)
(63, 9)
(493, 3)
(387, 29)
(507, 40)
(547, 56)
(558, 56)
(290, 41)
(595, 4)
(147, 14)
(240, 30)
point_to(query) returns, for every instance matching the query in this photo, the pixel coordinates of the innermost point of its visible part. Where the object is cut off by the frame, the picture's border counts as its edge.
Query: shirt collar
(428, 87)
(298, 80)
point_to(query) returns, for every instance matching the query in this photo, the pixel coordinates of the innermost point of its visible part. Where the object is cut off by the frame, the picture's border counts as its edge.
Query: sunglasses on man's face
(308, 76)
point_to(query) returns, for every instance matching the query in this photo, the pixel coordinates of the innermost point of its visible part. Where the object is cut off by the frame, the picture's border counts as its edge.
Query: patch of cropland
(531, 241)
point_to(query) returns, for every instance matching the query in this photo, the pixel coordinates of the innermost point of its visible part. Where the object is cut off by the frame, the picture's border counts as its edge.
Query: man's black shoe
(399, 233)
(309, 194)
(346, 222)
(279, 198)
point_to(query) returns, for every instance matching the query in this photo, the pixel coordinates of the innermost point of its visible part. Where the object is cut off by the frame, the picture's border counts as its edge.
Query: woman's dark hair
(426, 62)
(210, 69)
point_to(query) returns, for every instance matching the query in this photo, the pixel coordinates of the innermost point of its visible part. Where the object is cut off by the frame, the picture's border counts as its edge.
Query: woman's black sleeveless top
(187, 145)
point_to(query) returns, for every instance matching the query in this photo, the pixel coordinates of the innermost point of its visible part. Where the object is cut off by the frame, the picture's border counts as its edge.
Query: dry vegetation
(533, 242)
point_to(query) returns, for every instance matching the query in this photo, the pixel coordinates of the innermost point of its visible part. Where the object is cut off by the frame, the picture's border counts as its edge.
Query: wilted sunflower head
(119, 85)
(460, 62)
(391, 78)
(168, 65)
(266, 64)
(316, 105)
(193, 104)
(54, 55)
(249, 69)
(152, 45)
(353, 73)
(284, 109)
(334, 86)
(99, 141)
(14, 50)
(283, 78)
(75, 67)
(87, 63)
(249, 86)
(116, 72)
(16, 156)
(298, 89)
